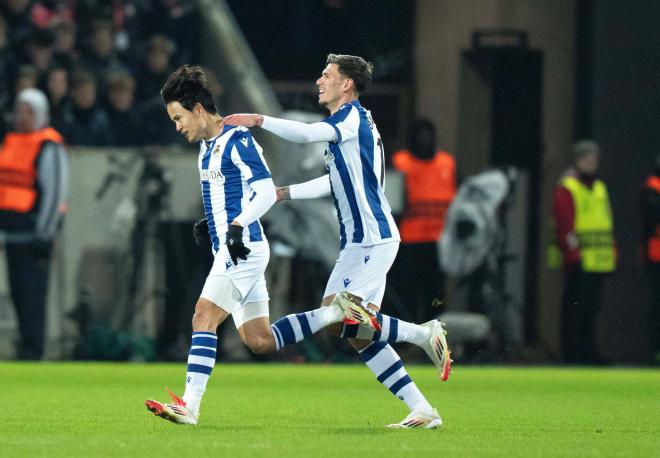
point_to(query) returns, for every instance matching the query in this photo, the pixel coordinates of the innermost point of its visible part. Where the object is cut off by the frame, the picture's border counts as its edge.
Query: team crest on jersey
(216, 151)
(214, 175)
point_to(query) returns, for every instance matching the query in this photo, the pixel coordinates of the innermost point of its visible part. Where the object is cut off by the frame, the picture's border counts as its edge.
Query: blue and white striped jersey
(357, 174)
(228, 163)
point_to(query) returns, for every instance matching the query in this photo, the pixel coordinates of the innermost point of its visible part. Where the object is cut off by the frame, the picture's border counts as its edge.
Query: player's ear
(198, 109)
(349, 85)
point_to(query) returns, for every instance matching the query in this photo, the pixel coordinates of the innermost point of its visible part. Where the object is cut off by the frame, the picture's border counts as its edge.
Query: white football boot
(354, 312)
(419, 419)
(176, 411)
(437, 348)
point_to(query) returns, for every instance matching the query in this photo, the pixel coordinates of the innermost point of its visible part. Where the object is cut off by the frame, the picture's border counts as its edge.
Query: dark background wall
(623, 106)
(291, 38)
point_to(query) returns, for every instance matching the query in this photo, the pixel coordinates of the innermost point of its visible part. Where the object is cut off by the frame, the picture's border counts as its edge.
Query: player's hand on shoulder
(235, 246)
(244, 119)
(283, 193)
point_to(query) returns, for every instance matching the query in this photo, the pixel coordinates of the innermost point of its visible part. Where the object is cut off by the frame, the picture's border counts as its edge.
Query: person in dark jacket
(85, 122)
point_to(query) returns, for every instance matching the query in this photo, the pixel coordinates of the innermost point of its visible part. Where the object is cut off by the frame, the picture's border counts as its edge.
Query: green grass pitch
(271, 410)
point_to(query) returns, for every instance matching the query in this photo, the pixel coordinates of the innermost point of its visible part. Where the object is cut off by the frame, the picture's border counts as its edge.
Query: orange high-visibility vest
(18, 168)
(430, 188)
(653, 242)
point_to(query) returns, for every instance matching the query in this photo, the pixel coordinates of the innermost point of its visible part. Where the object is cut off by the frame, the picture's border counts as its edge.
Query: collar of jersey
(210, 142)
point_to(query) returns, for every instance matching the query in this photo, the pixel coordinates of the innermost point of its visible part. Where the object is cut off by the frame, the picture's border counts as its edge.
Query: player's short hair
(188, 85)
(354, 67)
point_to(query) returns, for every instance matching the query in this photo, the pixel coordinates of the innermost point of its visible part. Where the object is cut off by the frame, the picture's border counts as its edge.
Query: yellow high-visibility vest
(593, 225)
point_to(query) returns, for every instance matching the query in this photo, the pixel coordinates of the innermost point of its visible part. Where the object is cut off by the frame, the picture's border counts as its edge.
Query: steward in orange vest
(651, 219)
(650, 212)
(33, 185)
(430, 187)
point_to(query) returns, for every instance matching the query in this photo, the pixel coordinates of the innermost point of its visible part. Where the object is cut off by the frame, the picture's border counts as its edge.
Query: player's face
(331, 85)
(187, 122)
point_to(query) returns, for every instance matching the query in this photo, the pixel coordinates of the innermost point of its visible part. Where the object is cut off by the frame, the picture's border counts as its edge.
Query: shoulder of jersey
(238, 130)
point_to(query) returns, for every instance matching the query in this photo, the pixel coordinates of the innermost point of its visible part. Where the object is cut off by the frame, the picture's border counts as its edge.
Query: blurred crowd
(100, 63)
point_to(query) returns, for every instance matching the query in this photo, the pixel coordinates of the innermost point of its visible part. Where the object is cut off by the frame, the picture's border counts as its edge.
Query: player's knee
(259, 344)
(204, 319)
(200, 321)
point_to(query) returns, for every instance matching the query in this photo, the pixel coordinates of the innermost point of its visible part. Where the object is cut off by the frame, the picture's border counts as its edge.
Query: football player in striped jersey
(369, 238)
(237, 189)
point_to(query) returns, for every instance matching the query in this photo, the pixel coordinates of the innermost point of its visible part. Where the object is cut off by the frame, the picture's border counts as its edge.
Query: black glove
(237, 250)
(200, 231)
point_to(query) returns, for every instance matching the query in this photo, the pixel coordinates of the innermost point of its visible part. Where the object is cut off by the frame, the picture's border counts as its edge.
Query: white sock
(201, 361)
(392, 330)
(386, 364)
(293, 328)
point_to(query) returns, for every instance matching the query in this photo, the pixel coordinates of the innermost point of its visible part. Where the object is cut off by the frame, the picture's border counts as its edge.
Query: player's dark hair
(188, 85)
(354, 67)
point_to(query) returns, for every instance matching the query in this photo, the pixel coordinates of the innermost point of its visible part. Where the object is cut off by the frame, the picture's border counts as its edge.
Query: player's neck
(214, 126)
(337, 105)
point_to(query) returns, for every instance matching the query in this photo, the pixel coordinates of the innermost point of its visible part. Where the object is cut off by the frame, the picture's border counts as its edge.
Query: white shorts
(362, 271)
(232, 287)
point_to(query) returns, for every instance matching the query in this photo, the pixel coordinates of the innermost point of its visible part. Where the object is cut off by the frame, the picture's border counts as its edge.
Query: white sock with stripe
(392, 330)
(201, 360)
(386, 364)
(293, 328)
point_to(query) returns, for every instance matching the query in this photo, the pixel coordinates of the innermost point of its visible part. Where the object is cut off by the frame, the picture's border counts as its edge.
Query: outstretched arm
(293, 131)
(313, 189)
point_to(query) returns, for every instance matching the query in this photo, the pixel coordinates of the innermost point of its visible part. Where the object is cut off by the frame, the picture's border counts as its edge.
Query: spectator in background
(154, 72)
(86, 123)
(57, 90)
(430, 186)
(45, 13)
(26, 77)
(7, 65)
(65, 42)
(173, 19)
(33, 186)
(40, 50)
(650, 206)
(17, 15)
(121, 113)
(585, 237)
(100, 56)
(155, 66)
